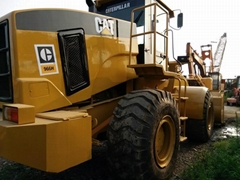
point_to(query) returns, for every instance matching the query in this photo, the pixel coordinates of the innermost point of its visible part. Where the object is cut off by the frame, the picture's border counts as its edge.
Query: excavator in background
(68, 77)
(207, 74)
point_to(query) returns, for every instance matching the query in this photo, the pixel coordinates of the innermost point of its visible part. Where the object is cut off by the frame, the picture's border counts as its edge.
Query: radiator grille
(5, 66)
(74, 60)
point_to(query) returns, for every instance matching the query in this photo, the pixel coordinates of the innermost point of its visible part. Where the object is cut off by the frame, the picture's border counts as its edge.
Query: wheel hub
(164, 141)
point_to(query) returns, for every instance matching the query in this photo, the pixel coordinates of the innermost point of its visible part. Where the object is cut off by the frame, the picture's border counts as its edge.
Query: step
(175, 94)
(183, 138)
(182, 98)
(183, 118)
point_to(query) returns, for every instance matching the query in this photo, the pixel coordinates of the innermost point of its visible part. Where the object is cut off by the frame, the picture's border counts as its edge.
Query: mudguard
(195, 102)
(218, 103)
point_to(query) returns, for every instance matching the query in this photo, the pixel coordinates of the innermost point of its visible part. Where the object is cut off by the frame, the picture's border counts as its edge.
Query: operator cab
(144, 20)
(217, 80)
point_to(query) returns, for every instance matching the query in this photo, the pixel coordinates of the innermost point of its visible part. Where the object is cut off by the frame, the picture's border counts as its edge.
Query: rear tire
(202, 130)
(143, 136)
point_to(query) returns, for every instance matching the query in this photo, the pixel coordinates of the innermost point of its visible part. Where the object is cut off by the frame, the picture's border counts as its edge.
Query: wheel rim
(210, 119)
(165, 141)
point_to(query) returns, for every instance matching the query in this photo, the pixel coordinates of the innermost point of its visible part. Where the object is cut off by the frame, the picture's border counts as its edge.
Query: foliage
(222, 162)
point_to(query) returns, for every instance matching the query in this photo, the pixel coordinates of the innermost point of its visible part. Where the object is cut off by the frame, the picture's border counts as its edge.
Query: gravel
(188, 153)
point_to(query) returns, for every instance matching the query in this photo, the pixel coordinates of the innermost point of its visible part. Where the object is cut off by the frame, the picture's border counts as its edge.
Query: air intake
(74, 60)
(5, 64)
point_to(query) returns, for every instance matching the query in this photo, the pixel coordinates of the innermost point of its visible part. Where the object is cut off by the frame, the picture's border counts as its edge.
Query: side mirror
(180, 20)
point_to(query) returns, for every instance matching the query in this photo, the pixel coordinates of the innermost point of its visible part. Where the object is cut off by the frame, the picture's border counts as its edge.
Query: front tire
(143, 136)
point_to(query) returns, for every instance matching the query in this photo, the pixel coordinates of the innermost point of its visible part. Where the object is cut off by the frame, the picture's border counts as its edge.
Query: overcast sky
(204, 21)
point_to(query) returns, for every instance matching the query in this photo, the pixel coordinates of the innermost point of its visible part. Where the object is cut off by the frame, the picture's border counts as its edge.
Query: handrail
(154, 31)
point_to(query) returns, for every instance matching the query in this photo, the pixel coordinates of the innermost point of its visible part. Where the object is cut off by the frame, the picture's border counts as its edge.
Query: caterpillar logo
(118, 7)
(104, 26)
(47, 63)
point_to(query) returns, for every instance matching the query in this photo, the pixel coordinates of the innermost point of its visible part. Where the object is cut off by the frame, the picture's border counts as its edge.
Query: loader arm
(194, 58)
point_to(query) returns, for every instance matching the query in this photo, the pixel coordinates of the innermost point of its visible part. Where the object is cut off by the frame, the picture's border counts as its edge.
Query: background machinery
(206, 74)
(229, 84)
(233, 91)
(69, 76)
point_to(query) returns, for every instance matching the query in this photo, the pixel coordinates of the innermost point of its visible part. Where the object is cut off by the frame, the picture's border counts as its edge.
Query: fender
(218, 102)
(195, 102)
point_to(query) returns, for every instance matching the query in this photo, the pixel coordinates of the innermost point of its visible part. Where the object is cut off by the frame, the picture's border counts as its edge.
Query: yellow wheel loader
(68, 76)
(210, 77)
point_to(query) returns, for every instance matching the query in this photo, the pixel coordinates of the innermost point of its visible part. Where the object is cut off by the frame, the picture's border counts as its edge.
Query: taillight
(10, 113)
(19, 113)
